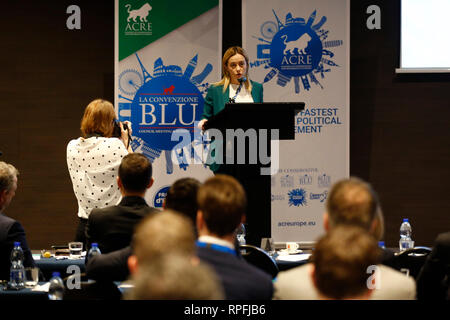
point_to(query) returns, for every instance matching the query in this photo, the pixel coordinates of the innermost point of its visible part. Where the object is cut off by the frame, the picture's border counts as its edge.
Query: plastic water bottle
(405, 235)
(240, 234)
(17, 271)
(94, 250)
(56, 288)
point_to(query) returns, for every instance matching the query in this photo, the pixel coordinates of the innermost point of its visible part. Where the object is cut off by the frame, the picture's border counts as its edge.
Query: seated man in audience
(168, 233)
(10, 230)
(433, 281)
(113, 227)
(342, 264)
(350, 201)
(222, 203)
(181, 197)
(175, 277)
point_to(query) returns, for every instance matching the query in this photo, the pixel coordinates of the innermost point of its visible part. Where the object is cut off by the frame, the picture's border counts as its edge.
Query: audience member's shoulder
(6, 220)
(299, 271)
(10, 224)
(394, 274)
(295, 284)
(443, 239)
(394, 285)
(256, 272)
(101, 213)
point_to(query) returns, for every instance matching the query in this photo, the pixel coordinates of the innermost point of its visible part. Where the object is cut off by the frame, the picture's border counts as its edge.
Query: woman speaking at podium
(234, 87)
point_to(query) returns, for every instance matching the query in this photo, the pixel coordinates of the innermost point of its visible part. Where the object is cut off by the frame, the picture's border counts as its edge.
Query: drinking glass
(75, 249)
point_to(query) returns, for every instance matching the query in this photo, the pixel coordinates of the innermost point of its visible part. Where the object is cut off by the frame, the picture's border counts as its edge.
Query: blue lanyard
(216, 247)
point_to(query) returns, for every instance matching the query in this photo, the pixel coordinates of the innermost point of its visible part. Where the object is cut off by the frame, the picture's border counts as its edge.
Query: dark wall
(399, 133)
(49, 75)
(399, 128)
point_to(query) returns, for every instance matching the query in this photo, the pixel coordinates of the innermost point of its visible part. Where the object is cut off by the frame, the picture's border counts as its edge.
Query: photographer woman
(94, 158)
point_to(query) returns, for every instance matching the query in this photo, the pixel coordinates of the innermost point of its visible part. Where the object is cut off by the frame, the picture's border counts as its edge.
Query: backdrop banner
(300, 51)
(167, 54)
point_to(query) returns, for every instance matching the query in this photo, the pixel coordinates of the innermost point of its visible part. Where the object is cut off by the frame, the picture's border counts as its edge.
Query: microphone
(241, 81)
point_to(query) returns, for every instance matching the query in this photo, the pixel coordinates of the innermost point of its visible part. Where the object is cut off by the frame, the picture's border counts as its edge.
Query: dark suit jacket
(240, 280)
(111, 266)
(10, 232)
(431, 283)
(113, 227)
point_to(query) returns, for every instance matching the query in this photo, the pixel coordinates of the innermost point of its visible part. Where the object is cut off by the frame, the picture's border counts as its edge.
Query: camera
(117, 132)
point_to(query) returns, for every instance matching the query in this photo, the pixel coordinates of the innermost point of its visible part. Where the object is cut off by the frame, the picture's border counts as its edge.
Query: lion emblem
(300, 44)
(142, 13)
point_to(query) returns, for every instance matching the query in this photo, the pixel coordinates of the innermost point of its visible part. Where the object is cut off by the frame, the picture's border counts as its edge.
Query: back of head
(341, 259)
(175, 277)
(352, 201)
(135, 172)
(7, 175)
(98, 118)
(222, 201)
(182, 197)
(164, 232)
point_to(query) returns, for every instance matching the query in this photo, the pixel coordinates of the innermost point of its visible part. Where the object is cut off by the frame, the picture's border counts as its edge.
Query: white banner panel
(300, 51)
(164, 65)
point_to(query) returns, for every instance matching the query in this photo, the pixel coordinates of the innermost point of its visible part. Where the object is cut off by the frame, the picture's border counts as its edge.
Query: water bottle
(56, 288)
(405, 235)
(17, 271)
(94, 250)
(240, 234)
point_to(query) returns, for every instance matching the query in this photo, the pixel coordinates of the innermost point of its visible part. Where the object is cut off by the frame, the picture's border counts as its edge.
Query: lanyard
(216, 247)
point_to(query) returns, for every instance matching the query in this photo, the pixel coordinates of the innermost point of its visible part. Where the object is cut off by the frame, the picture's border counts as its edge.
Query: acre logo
(295, 49)
(137, 22)
(297, 197)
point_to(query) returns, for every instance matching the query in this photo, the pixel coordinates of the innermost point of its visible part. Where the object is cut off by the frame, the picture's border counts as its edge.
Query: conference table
(66, 267)
(62, 264)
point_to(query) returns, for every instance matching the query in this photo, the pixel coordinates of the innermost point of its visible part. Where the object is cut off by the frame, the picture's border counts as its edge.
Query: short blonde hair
(341, 258)
(161, 233)
(352, 201)
(98, 118)
(7, 174)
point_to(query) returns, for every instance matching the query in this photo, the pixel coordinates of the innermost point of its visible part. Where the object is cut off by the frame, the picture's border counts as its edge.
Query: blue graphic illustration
(295, 50)
(297, 197)
(130, 81)
(158, 200)
(162, 102)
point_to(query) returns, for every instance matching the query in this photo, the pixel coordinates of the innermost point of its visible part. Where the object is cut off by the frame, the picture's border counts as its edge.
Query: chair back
(411, 260)
(259, 258)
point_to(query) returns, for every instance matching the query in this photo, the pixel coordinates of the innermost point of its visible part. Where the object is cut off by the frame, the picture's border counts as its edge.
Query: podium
(242, 122)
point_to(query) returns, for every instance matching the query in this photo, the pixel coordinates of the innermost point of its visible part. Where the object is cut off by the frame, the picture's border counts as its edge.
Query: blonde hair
(7, 174)
(98, 118)
(161, 233)
(225, 82)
